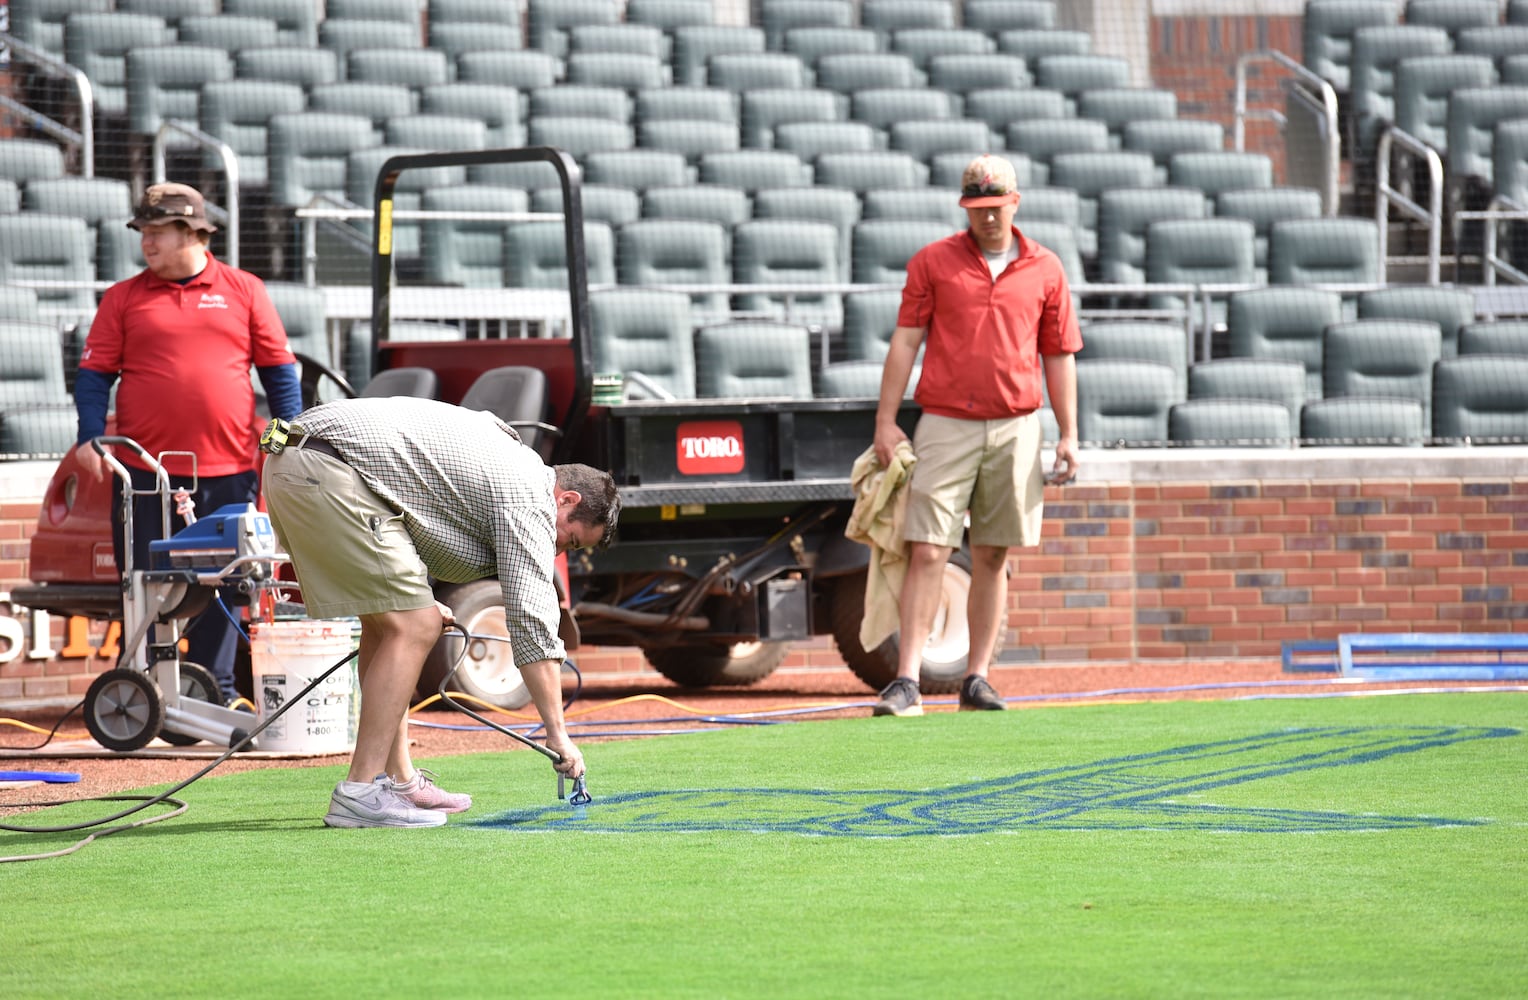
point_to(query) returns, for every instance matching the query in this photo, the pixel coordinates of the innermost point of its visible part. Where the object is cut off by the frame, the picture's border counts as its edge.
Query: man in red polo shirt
(181, 336)
(991, 309)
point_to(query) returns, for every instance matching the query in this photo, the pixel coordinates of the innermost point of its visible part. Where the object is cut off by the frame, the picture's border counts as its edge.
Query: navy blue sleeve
(92, 397)
(283, 392)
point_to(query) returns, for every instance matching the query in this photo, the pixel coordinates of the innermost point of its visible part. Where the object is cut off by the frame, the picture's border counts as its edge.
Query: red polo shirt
(981, 359)
(184, 353)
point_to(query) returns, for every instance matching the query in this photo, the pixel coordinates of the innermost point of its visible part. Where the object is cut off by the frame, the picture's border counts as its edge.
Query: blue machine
(213, 542)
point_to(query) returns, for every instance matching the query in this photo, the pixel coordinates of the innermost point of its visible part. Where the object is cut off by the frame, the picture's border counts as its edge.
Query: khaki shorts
(352, 553)
(989, 468)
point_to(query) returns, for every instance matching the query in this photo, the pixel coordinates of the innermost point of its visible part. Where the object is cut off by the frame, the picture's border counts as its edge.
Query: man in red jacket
(991, 309)
(181, 336)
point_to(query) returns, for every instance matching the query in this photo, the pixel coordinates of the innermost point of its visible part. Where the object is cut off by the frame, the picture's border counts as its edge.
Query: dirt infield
(620, 707)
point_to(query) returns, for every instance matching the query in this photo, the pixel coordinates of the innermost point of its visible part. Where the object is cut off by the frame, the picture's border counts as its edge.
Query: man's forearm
(544, 681)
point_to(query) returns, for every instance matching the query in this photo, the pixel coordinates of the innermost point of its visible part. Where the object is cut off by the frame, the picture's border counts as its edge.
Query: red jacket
(981, 358)
(184, 353)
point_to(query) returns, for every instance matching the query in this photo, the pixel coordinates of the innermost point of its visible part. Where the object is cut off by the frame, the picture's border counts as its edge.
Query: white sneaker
(357, 804)
(423, 792)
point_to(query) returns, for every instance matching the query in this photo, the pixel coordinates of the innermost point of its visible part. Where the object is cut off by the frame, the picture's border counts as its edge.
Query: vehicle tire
(196, 681)
(709, 664)
(947, 652)
(124, 709)
(487, 672)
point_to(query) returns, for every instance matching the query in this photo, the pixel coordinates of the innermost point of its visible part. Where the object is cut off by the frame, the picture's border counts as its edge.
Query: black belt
(311, 443)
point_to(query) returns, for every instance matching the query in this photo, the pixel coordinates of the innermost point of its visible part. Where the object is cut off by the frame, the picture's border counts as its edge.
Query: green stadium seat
(676, 252)
(1284, 324)
(579, 137)
(923, 44)
(669, 14)
(344, 35)
(1124, 403)
(638, 169)
(26, 160)
(33, 391)
(436, 132)
(1267, 379)
(687, 103)
(1124, 214)
(999, 107)
(1090, 175)
(415, 69)
(535, 255)
(997, 16)
(17, 303)
(1500, 41)
(849, 72)
(1450, 308)
(549, 21)
(1032, 44)
(778, 17)
(1164, 138)
(961, 73)
(887, 17)
(1376, 52)
(763, 111)
(630, 39)
(882, 247)
(40, 23)
(301, 308)
(1453, 15)
(468, 253)
(571, 100)
(1366, 421)
(105, 204)
(856, 380)
(308, 151)
(745, 71)
(471, 12)
(870, 317)
(402, 11)
(1062, 240)
(455, 38)
(753, 169)
(376, 102)
(625, 70)
(35, 246)
(525, 70)
(1502, 336)
(98, 44)
(809, 140)
(1219, 171)
(930, 204)
(1382, 357)
(1043, 139)
(307, 68)
(363, 166)
(1117, 107)
(883, 107)
(1423, 85)
(173, 11)
(644, 332)
(1139, 340)
(1473, 114)
(725, 206)
(695, 45)
(296, 20)
(1328, 34)
(1229, 423)
(229, 32)
(753, 360)
(238, 112)
(786, 252)
(870, 171)
(1481, 399)
(497, 107)
(611, 204)
(692, 139)
(835, 206)
(1323, 251)
(1073, 74)
(1265, 206)
(924, 139)
(1509, 157)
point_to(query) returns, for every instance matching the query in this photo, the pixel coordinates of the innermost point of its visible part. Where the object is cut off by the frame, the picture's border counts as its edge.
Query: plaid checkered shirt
(476, 501)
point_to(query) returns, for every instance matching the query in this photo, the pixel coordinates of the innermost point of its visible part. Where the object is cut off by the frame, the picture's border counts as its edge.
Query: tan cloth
(880, 506)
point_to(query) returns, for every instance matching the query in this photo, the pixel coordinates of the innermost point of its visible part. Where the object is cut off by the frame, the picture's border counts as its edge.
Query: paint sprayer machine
(152, 691)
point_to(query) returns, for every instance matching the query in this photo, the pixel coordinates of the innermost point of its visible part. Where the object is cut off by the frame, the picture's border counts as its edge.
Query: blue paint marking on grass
(1148, 791)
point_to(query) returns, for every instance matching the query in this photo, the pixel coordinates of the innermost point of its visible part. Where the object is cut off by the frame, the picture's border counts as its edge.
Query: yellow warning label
(668, 512)
(385, 228)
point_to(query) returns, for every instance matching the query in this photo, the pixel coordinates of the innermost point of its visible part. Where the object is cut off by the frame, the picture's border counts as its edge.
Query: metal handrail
(1328, 101)
(85, 137)
(1501, 209)
(230, 161)
(1385, 195)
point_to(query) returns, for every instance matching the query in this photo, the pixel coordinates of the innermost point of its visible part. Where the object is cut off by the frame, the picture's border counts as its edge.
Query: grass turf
(1391, 863)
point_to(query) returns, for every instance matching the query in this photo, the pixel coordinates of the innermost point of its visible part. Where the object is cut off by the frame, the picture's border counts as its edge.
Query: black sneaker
(976, 695)
(900, 697)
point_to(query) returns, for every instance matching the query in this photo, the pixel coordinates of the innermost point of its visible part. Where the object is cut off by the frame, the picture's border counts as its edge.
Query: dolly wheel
(196, 681)
(124, 709)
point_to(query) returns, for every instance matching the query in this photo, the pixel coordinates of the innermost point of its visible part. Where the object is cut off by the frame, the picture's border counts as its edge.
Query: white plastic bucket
(286, 657)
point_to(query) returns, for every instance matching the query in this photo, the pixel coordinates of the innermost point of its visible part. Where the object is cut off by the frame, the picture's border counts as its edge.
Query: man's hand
(887, 437)
(1065, 468)
(572, 763)
(91, 463)
(447, 616)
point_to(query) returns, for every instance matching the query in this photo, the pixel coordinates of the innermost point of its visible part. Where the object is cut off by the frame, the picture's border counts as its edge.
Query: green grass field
(1357, 847)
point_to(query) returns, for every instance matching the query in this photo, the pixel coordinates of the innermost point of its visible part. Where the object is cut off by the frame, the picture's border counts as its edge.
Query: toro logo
(710, 447)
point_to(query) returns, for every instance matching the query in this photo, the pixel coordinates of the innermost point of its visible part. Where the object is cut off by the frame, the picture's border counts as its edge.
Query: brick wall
(1195, 56)
(1146, 566)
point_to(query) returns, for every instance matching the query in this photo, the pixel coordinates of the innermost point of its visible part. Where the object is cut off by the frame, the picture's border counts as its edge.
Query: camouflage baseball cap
(988, 180)
(172, 203)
